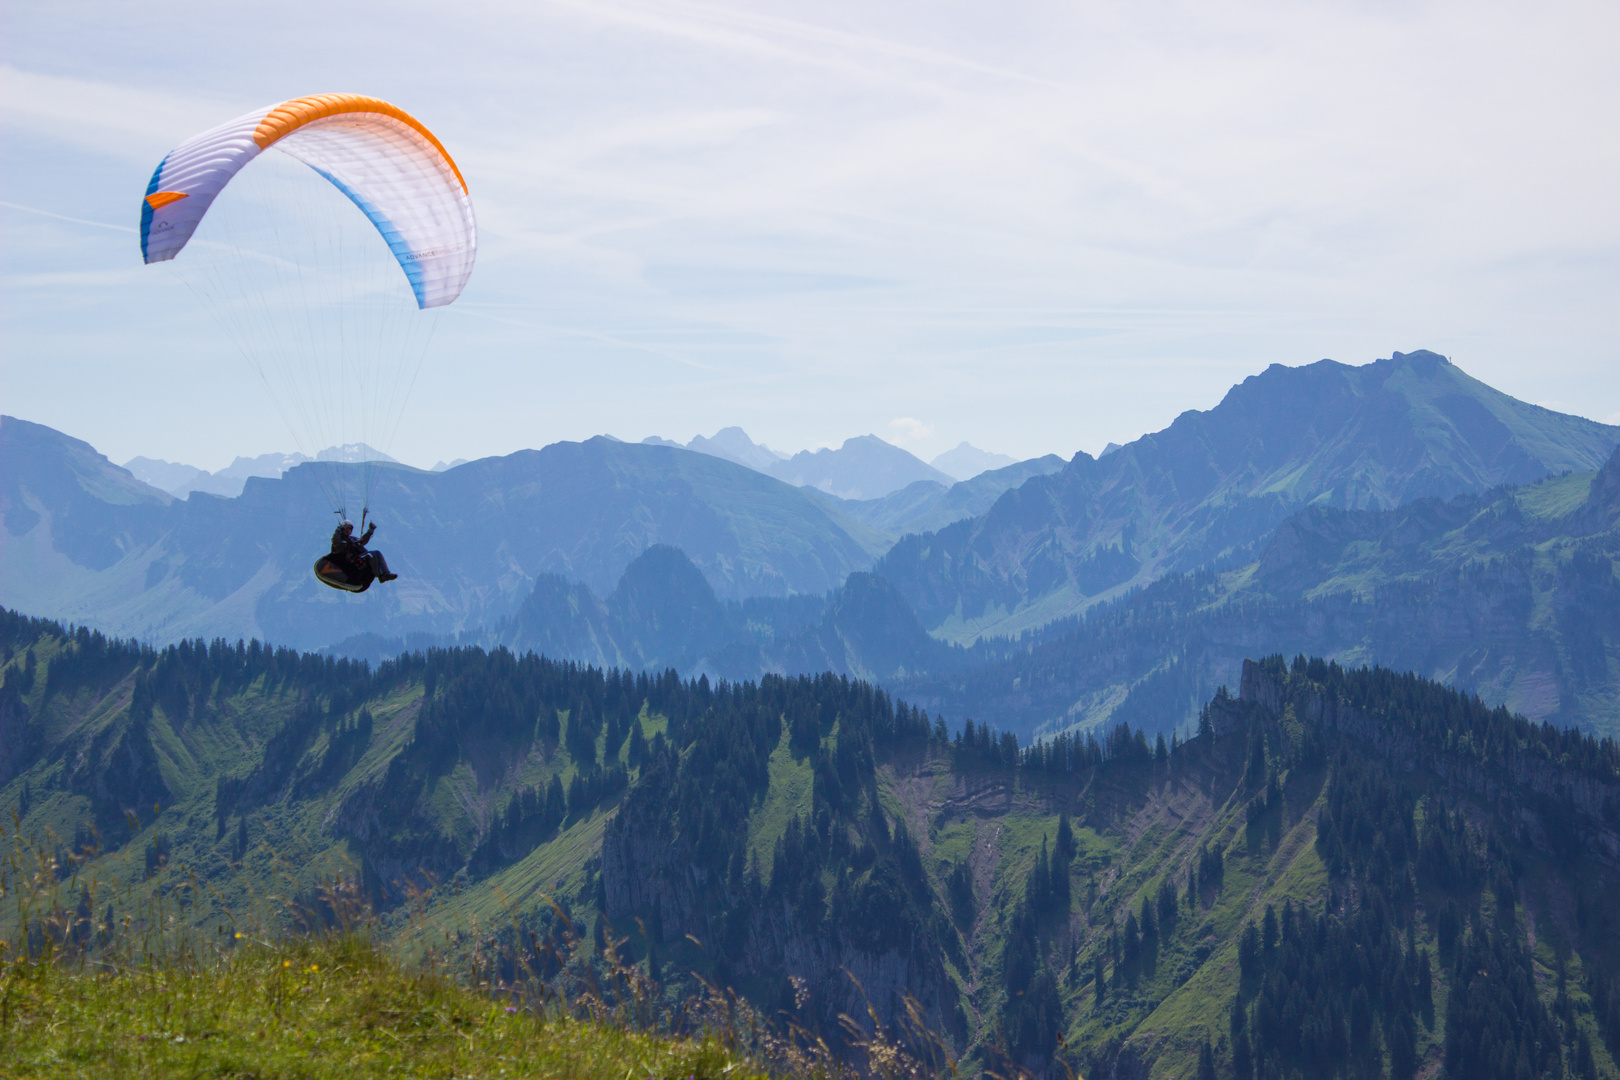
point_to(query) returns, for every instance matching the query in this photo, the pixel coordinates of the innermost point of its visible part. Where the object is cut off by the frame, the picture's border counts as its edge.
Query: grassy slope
(313, 1010)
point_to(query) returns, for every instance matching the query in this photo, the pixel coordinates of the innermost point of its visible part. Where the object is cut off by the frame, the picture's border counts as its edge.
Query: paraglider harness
(350, 566)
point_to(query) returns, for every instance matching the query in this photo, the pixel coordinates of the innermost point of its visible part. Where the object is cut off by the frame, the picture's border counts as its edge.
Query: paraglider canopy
(390, 165)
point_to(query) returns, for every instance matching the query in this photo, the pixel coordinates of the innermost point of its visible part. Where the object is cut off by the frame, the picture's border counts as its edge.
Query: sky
(1038, 227)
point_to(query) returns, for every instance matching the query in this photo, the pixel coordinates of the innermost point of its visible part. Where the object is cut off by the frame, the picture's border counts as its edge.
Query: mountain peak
(1214, 482)
(352, 453)
(865, 467)
(163, 475)
(733, 444)
(1422, 360)
(967, 461)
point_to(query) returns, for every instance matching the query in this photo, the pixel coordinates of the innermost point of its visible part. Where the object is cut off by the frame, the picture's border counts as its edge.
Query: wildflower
(314, 967)
(286, 963)
(240, 935)
(511, 1008)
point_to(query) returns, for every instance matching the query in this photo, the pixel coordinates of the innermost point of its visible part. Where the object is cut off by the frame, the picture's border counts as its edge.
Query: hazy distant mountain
(170, 476)
(230, 480)
(85, 541)
(443, 466)
(663, 613)
(925, 506)
(966, 461)
(353, 452)
(181, 480)
(90, 512)
(733, 444)
(865, 467)
(1215, 483)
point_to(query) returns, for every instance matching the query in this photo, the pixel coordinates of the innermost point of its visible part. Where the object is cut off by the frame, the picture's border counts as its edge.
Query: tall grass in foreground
(107, 977)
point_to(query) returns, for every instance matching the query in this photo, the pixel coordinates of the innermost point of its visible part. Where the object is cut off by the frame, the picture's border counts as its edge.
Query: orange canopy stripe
(289, 116)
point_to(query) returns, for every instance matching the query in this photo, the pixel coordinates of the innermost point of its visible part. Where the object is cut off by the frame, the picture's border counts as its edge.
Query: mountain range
(1512, 595)
(1040, 596)
(181, 480)
(1214, 484)
(1279, 743)
(864, 468)
(85, 540)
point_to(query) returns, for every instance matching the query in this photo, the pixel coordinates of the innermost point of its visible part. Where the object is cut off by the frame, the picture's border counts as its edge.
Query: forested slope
(1343, 873)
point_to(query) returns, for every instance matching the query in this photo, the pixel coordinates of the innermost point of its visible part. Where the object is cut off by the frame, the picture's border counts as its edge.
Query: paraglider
(350, 566)
(323, 318)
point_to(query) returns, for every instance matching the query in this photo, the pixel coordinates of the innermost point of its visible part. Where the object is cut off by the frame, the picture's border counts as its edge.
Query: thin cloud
(909, 429)
(64, 217)
(124, 120)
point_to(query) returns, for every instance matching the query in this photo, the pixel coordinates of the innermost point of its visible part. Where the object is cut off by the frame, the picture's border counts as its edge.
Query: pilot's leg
(379, 566)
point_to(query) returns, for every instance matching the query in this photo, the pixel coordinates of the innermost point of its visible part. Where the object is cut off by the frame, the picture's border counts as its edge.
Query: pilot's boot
(380, 567)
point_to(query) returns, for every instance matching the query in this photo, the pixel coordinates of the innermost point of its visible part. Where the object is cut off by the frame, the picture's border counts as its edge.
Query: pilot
(351, 551)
